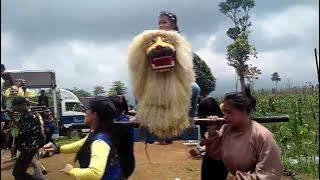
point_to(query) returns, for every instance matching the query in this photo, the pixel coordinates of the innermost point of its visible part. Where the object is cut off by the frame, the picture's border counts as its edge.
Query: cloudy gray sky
(86, 41)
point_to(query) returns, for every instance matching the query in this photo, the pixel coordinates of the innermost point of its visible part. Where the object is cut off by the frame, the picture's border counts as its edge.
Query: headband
(170, 15)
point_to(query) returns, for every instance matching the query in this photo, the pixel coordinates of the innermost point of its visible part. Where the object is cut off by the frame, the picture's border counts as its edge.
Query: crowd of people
(24, 130)
(242, 147)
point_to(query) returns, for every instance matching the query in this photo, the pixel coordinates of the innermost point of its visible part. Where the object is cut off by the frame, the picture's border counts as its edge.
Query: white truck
(71, 121)
(67, 109)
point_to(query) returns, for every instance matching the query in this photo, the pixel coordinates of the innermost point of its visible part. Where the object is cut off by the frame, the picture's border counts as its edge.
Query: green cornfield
(299, 138)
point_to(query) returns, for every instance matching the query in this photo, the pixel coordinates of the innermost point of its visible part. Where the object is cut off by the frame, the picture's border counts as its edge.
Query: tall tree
(239, 52)
(252, 74)
(80, 92)
(98, 91)
(117, 88)
(204, 77)
(275, 77)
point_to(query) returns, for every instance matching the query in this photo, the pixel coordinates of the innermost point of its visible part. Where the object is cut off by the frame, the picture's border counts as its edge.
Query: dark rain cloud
(38, 33)
(37, 22)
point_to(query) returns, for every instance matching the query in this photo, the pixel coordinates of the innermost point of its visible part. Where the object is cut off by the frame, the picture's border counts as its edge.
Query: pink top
(248, 154)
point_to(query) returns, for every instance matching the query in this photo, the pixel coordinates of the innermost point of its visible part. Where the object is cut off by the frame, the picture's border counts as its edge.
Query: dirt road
(167, 162)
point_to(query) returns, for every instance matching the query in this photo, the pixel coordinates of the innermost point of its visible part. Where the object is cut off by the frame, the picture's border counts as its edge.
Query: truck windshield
(74, 106)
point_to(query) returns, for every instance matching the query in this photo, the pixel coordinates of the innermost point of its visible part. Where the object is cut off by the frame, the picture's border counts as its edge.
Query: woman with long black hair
(96, 153)
(122, 137)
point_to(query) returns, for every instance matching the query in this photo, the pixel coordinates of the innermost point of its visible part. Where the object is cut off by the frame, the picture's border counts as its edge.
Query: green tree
(98, 91)
(275, 77)
(252, 74)
(80, 92)
(204, 77)
(239, 52)
(117, 88)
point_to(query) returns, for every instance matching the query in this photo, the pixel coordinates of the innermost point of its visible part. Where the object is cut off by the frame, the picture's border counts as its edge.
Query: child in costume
(96, 153)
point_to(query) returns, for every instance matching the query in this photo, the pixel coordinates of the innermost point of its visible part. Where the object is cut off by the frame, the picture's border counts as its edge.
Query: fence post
(316, 57)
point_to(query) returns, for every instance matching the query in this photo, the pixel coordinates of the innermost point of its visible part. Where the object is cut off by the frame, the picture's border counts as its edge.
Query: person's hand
(6, 131)
(50, 147)
(202, 142)
(231, 178)
(217, 123)
(67, 168)
(213, 118)
(213, 131)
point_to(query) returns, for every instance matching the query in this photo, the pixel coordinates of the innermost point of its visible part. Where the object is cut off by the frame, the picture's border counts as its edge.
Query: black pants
(20, 169)
(213, 169)
(10, 141)
(4, 140)
(48, 136)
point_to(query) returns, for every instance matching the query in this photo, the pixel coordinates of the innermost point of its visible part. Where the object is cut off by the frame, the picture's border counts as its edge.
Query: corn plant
(299, 138)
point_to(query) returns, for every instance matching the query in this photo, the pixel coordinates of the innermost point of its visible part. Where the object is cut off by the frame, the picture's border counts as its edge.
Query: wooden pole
(316, 57)
(197, 121)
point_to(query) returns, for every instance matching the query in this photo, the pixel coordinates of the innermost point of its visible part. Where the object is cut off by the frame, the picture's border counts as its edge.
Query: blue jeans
(194, 99)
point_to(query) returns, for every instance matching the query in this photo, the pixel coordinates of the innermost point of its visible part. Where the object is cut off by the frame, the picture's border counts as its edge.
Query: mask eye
(166, 39)
(151, 41)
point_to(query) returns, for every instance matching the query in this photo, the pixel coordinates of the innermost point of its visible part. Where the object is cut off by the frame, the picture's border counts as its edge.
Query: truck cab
(72, 114)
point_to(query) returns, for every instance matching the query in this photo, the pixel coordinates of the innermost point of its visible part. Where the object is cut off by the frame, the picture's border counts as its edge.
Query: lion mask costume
(161, 70)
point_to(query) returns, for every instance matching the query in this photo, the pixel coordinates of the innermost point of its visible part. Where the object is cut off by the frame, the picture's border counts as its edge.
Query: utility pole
(315, 54)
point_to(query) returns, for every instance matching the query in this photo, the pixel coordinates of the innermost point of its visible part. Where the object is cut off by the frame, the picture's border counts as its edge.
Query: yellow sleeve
(30, 93)
(41, 120)
(7, 93)
(72, 147)
(99, 156)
